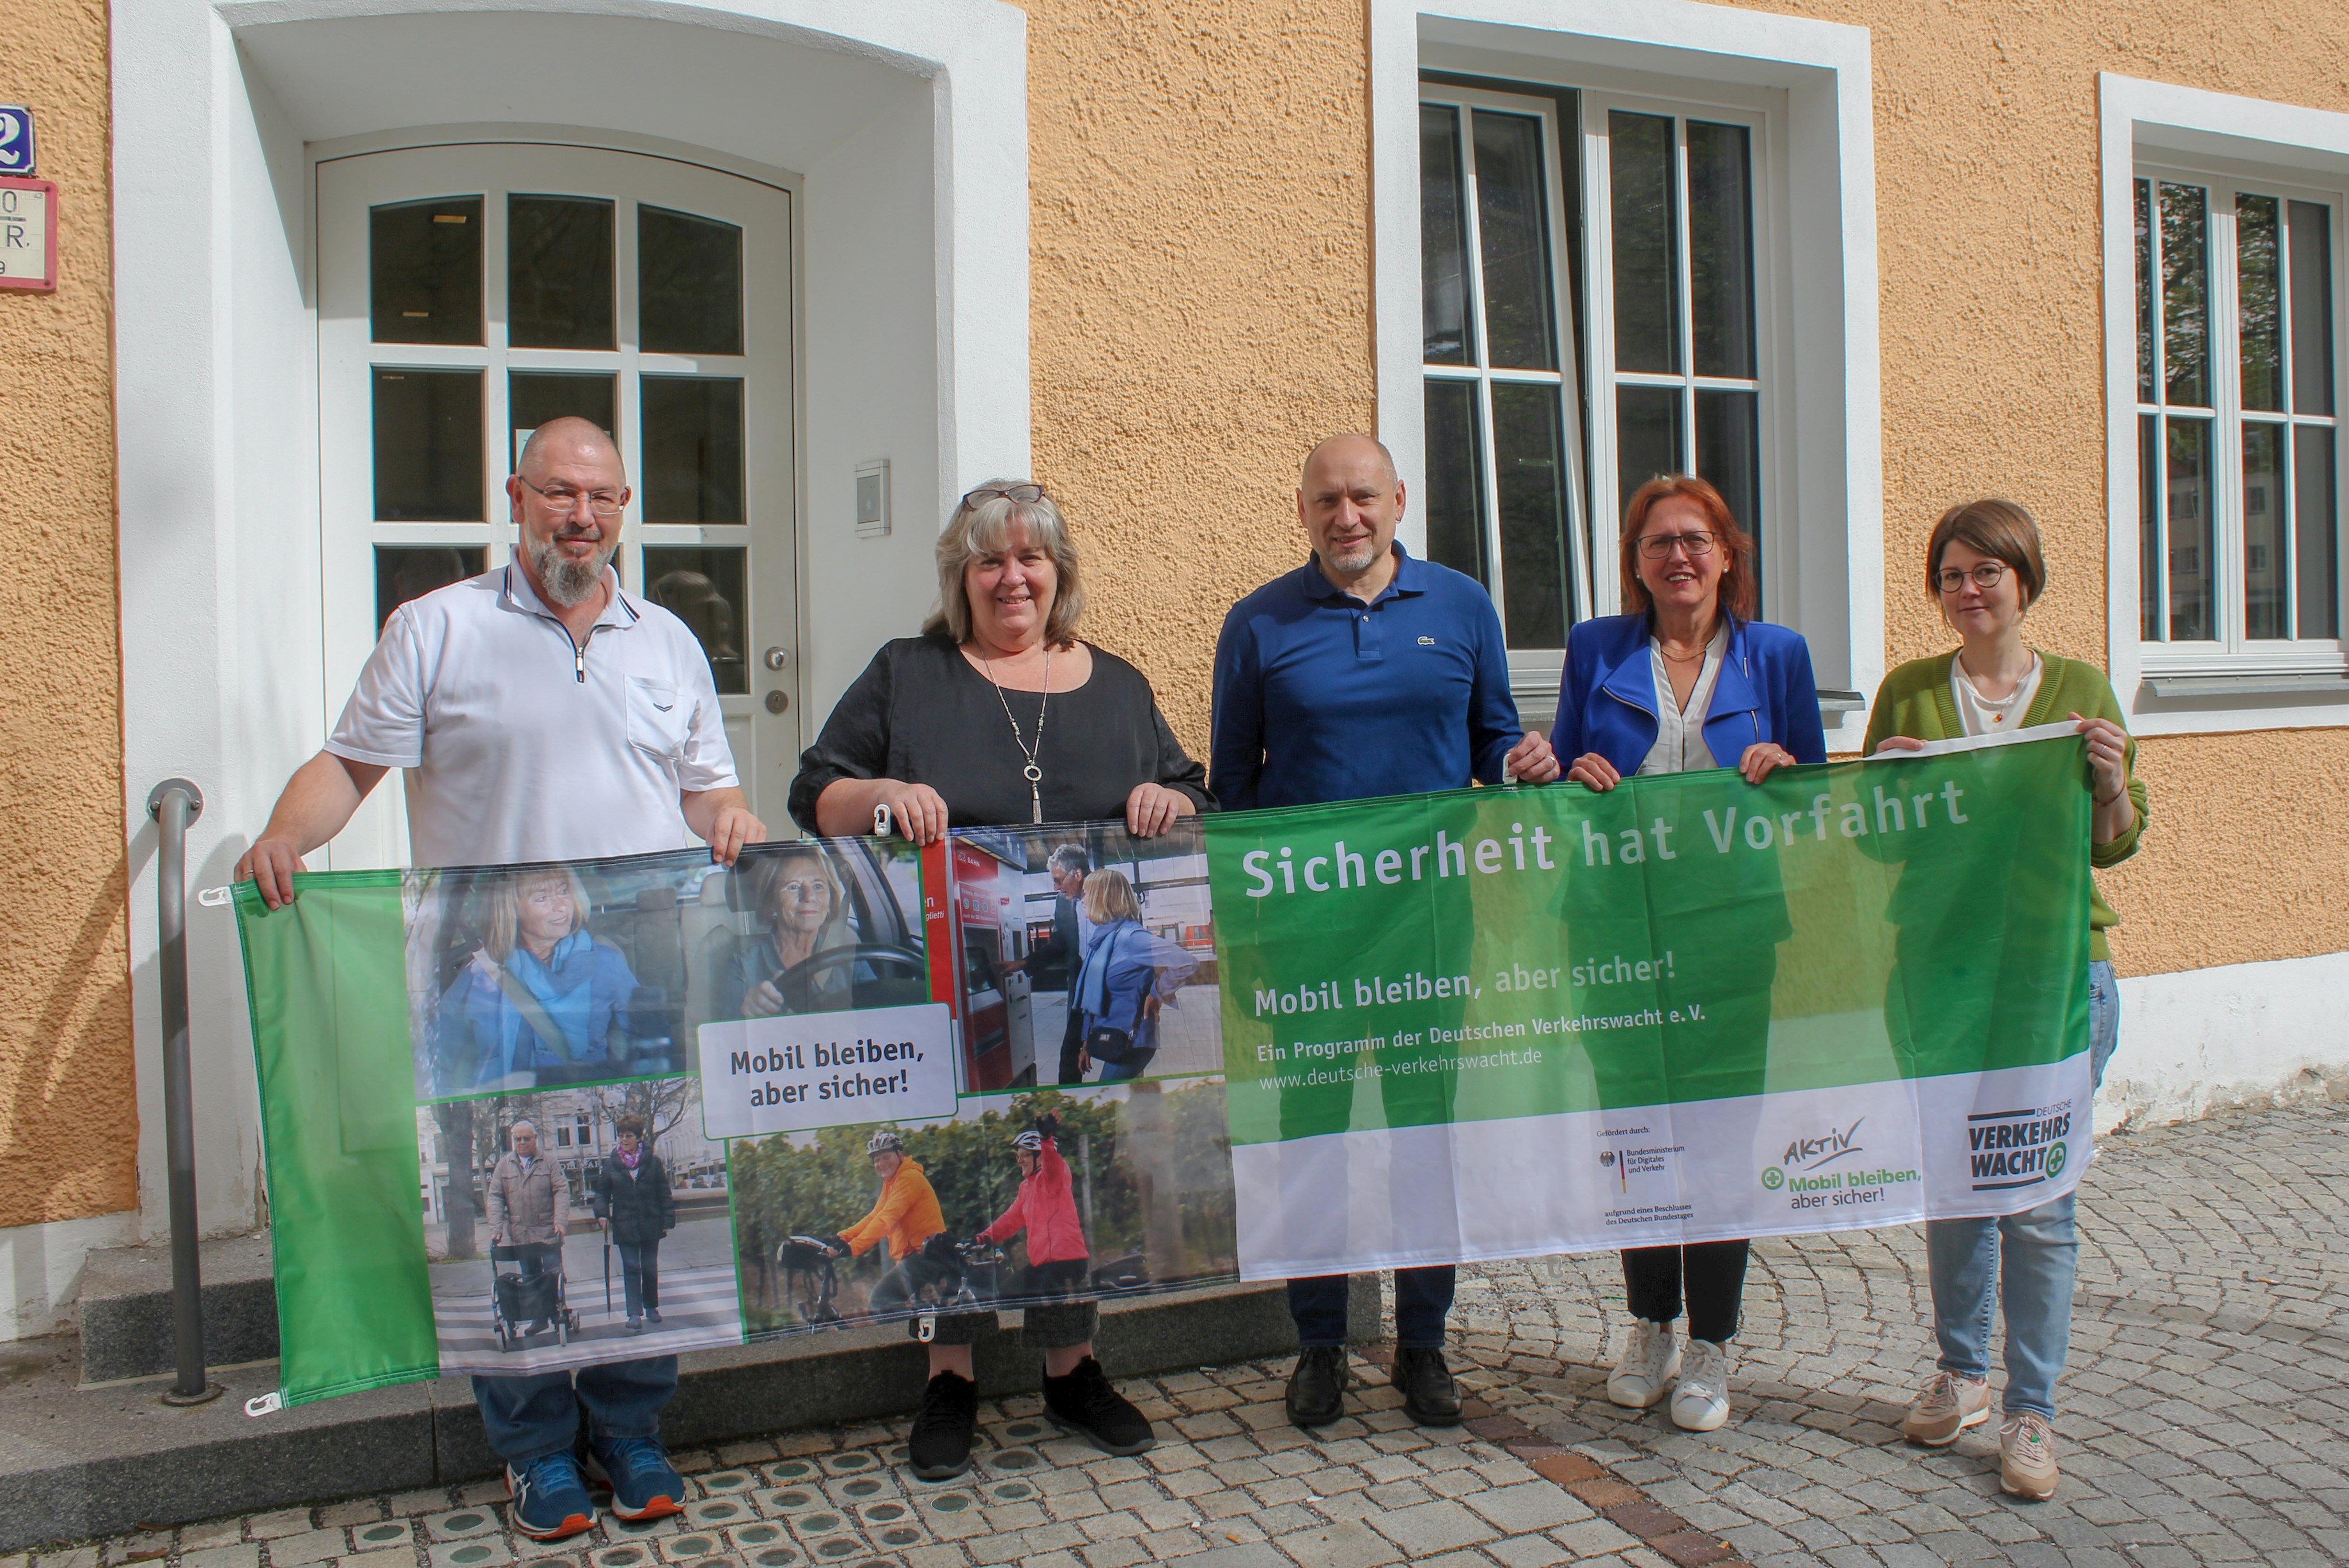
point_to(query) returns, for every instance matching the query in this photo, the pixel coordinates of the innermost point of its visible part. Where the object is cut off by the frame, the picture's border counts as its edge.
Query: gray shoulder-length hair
(981, 528)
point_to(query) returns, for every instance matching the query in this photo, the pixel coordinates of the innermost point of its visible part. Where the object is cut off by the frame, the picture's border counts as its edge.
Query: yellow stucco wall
(69, 1116)
(1202, 285)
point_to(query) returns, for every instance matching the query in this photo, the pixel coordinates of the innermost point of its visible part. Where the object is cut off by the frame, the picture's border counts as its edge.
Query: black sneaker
(1429, 1396)
(939, 1447)
(1084, 1404)
(1316, 1387)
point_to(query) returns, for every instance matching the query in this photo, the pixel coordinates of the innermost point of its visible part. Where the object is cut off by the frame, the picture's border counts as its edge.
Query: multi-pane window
(2237, 415)
(1685, 379)
(1591, 319)
(1503, 501)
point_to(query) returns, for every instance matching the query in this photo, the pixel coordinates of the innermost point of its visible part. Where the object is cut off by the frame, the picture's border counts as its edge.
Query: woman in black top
(995, 715)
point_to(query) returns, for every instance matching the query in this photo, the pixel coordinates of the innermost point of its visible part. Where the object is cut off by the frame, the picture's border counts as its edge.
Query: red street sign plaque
(28, 234)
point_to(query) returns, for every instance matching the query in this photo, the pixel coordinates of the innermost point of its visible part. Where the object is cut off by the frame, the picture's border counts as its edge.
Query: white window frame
(1830, 485)
(2223, 140)
(2233, 652)
(1482, 374)
(1608, 486)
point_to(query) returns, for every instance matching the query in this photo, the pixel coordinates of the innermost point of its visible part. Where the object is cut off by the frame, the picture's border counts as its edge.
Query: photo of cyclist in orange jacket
(905, 1215)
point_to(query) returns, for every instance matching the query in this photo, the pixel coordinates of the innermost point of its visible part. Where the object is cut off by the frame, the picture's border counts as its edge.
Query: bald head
(1349, 499)
(568, 439)
(1347, 450)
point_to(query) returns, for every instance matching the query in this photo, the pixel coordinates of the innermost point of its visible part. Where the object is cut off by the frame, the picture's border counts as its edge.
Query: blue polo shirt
(1320, 697)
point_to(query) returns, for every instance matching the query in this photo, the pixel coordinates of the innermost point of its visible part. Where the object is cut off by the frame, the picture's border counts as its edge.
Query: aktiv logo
(1834, 1144)
(1774, 1179)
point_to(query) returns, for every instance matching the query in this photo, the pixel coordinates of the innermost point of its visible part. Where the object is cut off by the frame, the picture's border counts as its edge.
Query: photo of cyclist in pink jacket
(1046, 1208)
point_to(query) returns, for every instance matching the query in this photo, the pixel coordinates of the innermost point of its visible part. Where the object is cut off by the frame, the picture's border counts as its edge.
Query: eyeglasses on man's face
(987, 492)
(563, 499)
(1656, 546)
(1983, 575)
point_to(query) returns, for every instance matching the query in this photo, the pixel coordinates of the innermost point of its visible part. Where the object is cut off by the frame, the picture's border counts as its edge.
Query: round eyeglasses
(1984, 574)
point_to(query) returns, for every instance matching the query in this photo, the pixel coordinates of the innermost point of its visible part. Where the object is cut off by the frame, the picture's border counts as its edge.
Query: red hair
(1734, 543)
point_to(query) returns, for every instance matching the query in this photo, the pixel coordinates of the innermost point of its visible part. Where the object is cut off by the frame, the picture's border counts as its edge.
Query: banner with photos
(526, 1118)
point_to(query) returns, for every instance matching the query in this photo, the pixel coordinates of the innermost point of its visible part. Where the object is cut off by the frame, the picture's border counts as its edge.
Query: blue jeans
(2028, 1258)
(531, 1417)
(1423, 1297)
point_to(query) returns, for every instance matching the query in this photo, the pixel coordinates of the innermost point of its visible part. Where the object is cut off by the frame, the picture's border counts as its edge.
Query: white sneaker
(1701, 1403)
(1646, 1369)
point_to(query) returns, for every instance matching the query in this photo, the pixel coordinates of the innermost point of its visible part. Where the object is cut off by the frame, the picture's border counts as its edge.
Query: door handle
(778, 657)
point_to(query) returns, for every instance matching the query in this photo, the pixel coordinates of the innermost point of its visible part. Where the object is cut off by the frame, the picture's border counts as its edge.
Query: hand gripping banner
(522, 1118)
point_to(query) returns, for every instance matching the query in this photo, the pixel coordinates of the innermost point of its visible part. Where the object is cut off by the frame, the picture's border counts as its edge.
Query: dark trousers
(531, 1417)
(1711, 1273)
(640, 1275)
(1423, 1297)
(1073, 1044)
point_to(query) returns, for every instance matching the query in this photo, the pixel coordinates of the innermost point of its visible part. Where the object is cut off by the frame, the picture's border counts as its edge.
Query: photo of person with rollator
(1688, 680)
(1985, 571)
(641, 1211)
(1130, 975)
(529, 1208)
(1046, 1208)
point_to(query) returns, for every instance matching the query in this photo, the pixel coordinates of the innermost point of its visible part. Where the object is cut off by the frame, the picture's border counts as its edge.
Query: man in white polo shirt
(539, 714)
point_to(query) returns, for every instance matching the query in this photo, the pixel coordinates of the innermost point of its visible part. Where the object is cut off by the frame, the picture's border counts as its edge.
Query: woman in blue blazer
(1689, 680)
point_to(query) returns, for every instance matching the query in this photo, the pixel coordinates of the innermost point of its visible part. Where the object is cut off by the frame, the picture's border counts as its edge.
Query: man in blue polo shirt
(1364, 672)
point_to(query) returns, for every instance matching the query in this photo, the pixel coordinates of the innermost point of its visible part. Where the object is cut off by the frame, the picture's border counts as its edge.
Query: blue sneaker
(550, 1500)
(643, 1484)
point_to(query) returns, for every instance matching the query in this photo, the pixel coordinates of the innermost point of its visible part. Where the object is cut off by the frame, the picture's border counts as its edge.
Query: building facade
(318, 260)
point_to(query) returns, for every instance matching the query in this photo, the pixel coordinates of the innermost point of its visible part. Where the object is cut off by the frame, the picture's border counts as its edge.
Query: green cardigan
(1915, 700)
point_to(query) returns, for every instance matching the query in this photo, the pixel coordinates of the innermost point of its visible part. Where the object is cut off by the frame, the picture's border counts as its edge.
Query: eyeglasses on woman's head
(987, 493)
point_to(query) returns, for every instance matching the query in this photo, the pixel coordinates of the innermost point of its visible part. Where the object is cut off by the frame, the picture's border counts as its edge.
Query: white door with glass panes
(468, 295)
(1593, 266)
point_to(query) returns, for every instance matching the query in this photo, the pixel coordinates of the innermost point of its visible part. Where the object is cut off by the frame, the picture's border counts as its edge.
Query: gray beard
(570, 583)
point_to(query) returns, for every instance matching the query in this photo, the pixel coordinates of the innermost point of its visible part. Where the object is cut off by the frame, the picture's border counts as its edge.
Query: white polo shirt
(520, 744)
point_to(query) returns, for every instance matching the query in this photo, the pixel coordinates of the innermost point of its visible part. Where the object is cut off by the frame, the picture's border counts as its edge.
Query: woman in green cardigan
(1984, 567)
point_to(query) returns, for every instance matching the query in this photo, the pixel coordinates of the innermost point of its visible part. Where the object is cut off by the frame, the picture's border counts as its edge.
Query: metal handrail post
(174, 803)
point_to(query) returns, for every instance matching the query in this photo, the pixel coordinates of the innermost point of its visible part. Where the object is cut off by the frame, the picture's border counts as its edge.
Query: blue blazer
(1607, 694)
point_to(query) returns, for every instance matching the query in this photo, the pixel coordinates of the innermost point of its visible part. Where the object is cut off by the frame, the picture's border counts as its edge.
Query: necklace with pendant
(1032, 773)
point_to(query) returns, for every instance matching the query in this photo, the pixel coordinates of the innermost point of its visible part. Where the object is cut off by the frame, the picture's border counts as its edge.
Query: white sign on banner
(804, 1071)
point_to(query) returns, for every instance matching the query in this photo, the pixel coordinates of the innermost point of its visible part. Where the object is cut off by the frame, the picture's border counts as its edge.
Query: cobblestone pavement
(2204, 1422)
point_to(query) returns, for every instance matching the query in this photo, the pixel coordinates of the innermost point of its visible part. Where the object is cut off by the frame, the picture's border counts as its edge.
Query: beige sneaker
(1948, 1405)
(2027, 1456)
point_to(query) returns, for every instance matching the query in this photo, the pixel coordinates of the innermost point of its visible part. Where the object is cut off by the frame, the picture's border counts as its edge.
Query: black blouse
(921, 713)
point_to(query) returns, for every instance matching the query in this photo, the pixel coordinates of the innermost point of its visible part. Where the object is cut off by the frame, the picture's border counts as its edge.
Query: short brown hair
(630, 1123)
(1991, 526)
(1736, 544)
